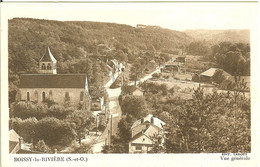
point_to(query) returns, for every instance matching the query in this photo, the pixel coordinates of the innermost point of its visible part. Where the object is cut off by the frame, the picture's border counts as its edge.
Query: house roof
(12, 145)
(53, 81)
(13, 136)
(149, 133)
(48, 56)
(172, 64)
(210, 72)
(140, 134)
(157, 122)
(112, 63)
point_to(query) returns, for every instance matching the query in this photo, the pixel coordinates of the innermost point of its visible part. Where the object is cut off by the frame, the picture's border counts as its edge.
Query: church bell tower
(48, 64)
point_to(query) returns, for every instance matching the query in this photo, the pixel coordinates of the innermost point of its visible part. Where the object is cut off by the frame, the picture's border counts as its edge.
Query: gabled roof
(156, 121)
(13, 140)
(13, 136)
(210, 72)
(53, 81)
(140, 134)
(48, 56)
(149, 133)
(12, 145)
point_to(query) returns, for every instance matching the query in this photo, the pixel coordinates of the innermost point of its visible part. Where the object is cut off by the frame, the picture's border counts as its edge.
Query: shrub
(156, 75)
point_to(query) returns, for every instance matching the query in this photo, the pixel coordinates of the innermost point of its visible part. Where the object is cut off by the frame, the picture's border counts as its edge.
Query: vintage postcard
(129, 84)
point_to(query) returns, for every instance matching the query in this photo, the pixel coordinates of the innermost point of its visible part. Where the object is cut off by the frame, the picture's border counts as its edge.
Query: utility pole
(96, 124)
(108, 139)
(111, 126)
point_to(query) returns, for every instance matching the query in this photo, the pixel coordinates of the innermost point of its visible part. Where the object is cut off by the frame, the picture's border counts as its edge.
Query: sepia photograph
(130, 78)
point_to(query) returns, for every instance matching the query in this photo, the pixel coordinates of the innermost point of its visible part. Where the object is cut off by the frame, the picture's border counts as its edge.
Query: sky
(176, 16)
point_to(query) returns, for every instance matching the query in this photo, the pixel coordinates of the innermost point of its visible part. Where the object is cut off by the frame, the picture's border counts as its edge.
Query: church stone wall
(57, 95)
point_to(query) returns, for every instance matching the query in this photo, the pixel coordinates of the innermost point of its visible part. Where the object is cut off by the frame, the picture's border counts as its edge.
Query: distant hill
(75, 39)
(215, 36)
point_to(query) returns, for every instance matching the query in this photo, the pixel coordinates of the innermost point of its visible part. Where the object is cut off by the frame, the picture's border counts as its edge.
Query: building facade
(144, 132)
(62, 89)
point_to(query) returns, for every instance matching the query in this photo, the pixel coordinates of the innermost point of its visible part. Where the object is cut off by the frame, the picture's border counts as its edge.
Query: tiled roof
(48, 56)
(12, 145)
(53, 81)
(151, 131)
(210, 72)
(157, 122)
(13, 136)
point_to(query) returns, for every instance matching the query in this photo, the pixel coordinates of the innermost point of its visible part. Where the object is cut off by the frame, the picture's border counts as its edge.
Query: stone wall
(55, 94)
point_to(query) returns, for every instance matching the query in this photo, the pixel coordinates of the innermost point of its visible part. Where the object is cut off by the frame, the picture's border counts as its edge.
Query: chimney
(142, 120)
(20, 142)
(152, 120)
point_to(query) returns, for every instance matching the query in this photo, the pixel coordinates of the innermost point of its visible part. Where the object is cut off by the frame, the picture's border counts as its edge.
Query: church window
(43, 96)
(67, 96)
(81, 96)
(43, 66)
(36, 95)
(49, 66)
(50, 94)
(28, 96)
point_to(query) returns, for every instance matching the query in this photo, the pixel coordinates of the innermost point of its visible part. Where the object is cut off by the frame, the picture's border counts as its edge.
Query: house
(170, 67)
(207, 75)
(143, 133)
(115, 65)
(215, 75)
(140, 26)
(69, 89)
(97, 104)
(181, 59)
(17, 145)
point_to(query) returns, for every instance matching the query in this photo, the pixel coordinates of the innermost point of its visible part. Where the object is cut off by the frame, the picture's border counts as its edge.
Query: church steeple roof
(48, 56)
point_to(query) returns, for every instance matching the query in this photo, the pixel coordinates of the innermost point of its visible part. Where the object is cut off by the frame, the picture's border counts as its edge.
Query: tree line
(50, 128)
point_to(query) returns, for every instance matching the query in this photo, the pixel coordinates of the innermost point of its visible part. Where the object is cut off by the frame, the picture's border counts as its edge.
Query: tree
(198, 48)
(119, 143)
(81, 148)
(165, 57)
(59, 111)
(42, 147)
(25, 128)
(134, 106)
(128, 89)
(136, 71)
(233, 58)
(121, 56)
(209, 123)
(25, 110)
(81, 122)
(55, 132)
(158, 145)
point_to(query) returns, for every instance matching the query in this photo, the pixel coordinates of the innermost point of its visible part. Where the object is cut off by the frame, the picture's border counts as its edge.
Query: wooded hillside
(83, 46)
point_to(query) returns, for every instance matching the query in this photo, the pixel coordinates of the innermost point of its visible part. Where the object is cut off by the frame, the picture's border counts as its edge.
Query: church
(62, 89)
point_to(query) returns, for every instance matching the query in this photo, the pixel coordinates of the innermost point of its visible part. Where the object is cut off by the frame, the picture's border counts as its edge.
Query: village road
(115, 112)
